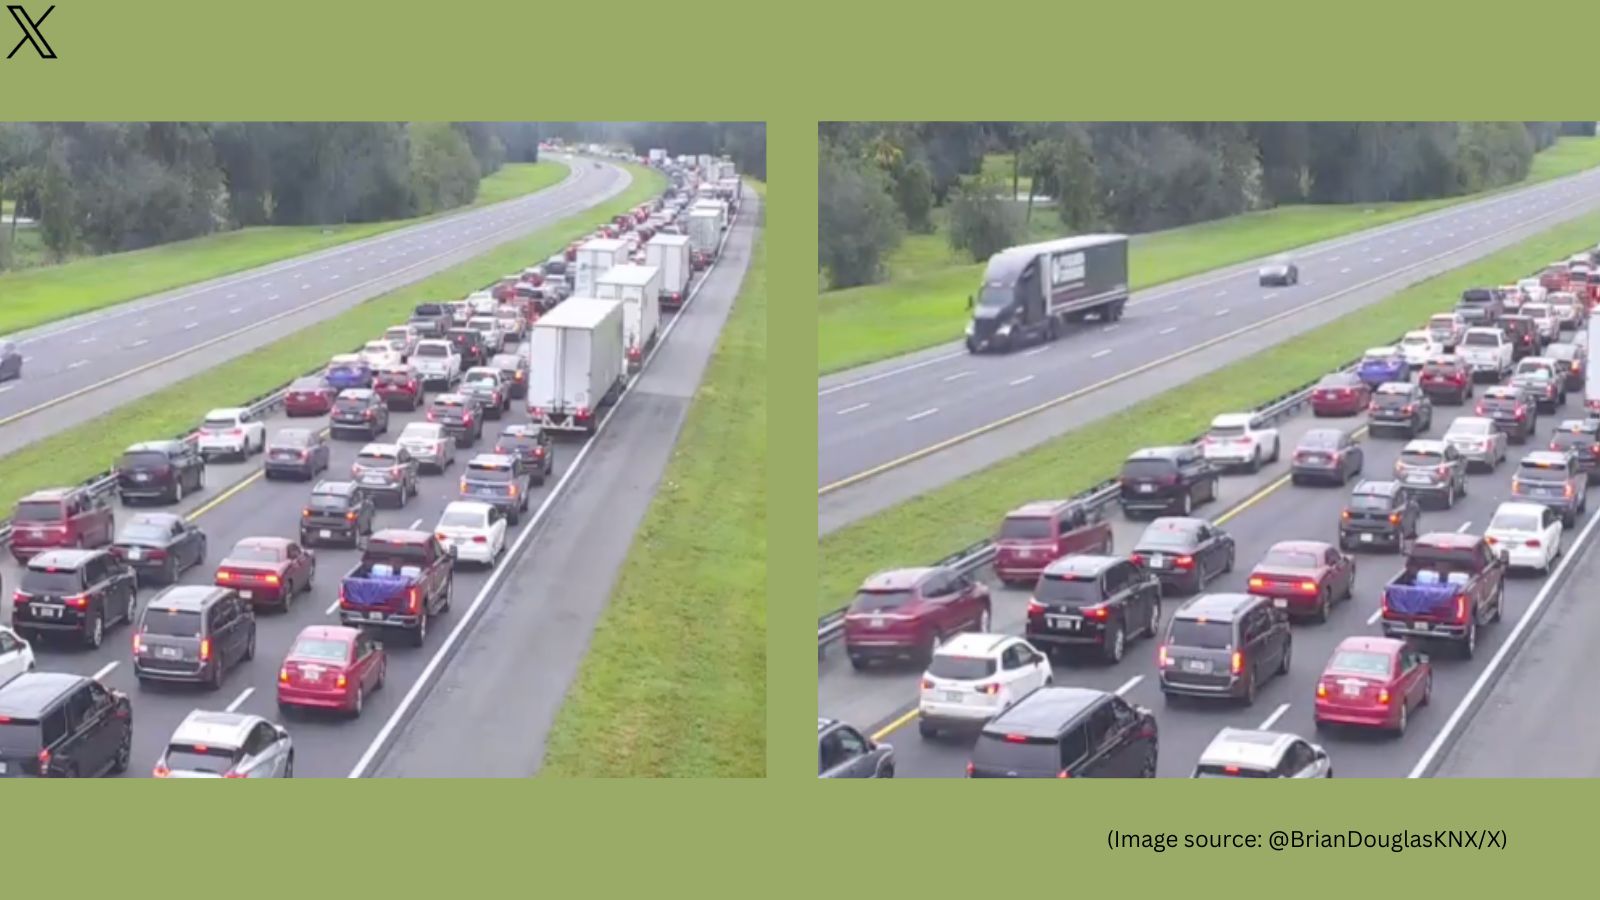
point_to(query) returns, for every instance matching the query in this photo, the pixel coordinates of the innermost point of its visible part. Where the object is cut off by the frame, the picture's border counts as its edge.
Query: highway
(82, 367)
(890, 431)
(238, 503)
(1257, 510)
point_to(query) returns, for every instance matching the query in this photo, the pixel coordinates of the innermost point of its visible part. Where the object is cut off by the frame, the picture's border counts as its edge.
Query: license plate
(373, 479)
(1316, 458)
(1416, 479)
(1352, 690)
(1146, 488)
(170, 653)
(1366, 539)
(135, 553)
(325, 533)
(46, 612)
(1070, 623)
(1157, 561)
(1420, 626)
(952, 696)
(1197, 665)
(375, 616)
(312, 675)
(875, 623)
(246, 595)
(141, 477)
(1280, 603)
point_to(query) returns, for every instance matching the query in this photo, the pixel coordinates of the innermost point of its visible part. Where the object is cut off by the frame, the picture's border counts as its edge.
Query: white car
(231, 432)
(403, 338)
(1528, 535)
(482, 303)
(477, 531)
(1419, 347)
(1235, 439)
(379, 355)
(1532, 290)
(437, 363)
(429, 445)
(227, 745)
(511, 322)
(1566, 309)
(16, 655)
(1477, 440)
(1543, 316)
(974, 677)
(494, 339)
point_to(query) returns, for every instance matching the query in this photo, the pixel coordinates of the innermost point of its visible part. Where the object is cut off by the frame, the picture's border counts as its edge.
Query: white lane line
(141, 323)
(1404, 250)
(334, 277)
(922, 415)
(81, 362)
(191, 325)
(1428, 243)
(231, 296)
(1463, 528)
(1308, 282)
(1023, 380)
(1276, 715)
(1038, 350)
(139, 343)
(958, 376)
(188, 309)
(325, 267)
(1099, 353)
(89, 340)
(106, 670)
(1170, 309)
(1129, 685)
(1222, 293)
(306, 286)
(1269, 296)
(361, 268)
(1222, 312)
(414, 525)
(239, 700)
(850, 409)
(332, 608)
(6, 388)
(235, 311)
(1108, 329)
(1377, 259)
(1451, 235)
(1345, 271)
(1169, 330)
(1333, 259)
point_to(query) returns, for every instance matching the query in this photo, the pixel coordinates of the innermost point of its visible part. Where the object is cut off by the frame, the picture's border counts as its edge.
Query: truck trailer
(576, 364)
(670, 254)
(595, 258)
(1030, 293)
(639, 289)
(704, 235)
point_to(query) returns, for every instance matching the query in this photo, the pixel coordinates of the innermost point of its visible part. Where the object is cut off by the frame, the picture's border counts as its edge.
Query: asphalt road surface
(1258, 510)
(238, 503)
(82, 367)
(890, 431)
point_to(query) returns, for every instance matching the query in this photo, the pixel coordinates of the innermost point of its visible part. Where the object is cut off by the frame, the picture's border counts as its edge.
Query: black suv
(160, 470)
(497, 480)
(1379, 513)
(844, 752)
(359, 411)
(1094, 601)
(1513, 411)
(1167, 480)
(460, 415)
(73, 593)
(193, 633)
(1184, 553)
(532, 445)
(1224, 645)
(1581, 438)
(58, 725)
(1523, 332)
(339, 512)
(1067, 732)
(1400, 405)
(469, 343)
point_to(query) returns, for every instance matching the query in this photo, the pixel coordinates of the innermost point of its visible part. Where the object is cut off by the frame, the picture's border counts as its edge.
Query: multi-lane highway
(78, 368)
(895, 429)
(238, 503)
(1259, 510)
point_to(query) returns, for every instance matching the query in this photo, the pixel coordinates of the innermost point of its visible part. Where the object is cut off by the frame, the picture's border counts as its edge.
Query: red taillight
(1035, 608)
(20, 598)
(1480, 409)
(1409, 409)
(1520, 413)
(1309, 587)
(77, 601)
(1533, 542)
(1184, 562)
(1236, 665)
(1322, 689)
(1344, 514)
(161, 770)
(1064, 774)
(927, 684)
(224, 575)
(1394, 518)
(479, 539)
(1257, 582)
(1016, 739)
(44, 762)
(1230, 770)
(283, 675)
(205, 649)
(989, 689)
(232, 774)
(413, 598)
(341, 682)
(433, 417)
(1383, 696)
(1097, 613)
(969, 770)
(350, 516)
(138, 645)
(1137, 559)
(272, 580)
(1461, 608)
(1162, 659)
(583, 412)
(539, 451)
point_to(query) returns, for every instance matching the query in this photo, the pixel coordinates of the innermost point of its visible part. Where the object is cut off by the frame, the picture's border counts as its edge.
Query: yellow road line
(217, 501)
(883, 732)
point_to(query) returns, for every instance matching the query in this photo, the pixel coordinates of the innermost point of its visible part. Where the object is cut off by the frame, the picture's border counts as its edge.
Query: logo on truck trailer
(1067, 267)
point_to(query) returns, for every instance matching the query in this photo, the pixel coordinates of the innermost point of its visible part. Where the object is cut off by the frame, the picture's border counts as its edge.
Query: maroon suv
(399, 387)
(905, 613)
(59, 517)
(1036, 534)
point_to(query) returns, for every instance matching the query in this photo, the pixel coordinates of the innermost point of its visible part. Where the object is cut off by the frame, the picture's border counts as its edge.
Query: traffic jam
(228, 604)
(1363, 559)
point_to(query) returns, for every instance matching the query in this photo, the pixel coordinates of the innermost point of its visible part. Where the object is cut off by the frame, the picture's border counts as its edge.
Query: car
(60, 517)
(1544, 318)
(436, 363)
(1581, 438)
(402, 339)
(459, 415)
(337, 511)
(386, 470)
(159, 470)
(1569, 359)
(475, 531)
(10, 361)
(1447, 330)
(349, 370)
(193, 634)
(460, 313)
(1432, 469)
(359, 412)
(1251, 753)
(159, 547)
(1400, 406)
(1379, 513)
(1523, 334)
(1478, 441)
(331, 667)
(1510, 410)
(1280, 273)
(1184, 553)
(1540, 378)
(1098, 602)
(1568, 311)
(1381, 365)
(61, 725)
(469, 343)
(1166, 479)
(233, 431)
(1418, 347)
(268, 571)
(483, 384)
(400, 388)
(426, 328)
(511, 322)
(1553, 479)
(379, 355)
(300, 452)
(1326, 454)
(498, 480)
(440, 314)
(1068, 732)
(309, 396)
(1487, 352)
(486, 324)
(430, 445)
(844, 752)
(1446, 379)
(210, 744)
(532, 446)
(974, 677)
(1339, 394)
(907, 613)
(1304, 578)
(1527, 535)
(1223, 645)
(75, 594)
(1486, 302)
(1373, 682)
(16, 655)
(1238, 439)
(516, 368)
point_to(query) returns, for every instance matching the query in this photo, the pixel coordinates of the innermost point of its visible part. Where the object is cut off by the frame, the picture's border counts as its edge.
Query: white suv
(975, 677)
(1235, 439)
(231, 432)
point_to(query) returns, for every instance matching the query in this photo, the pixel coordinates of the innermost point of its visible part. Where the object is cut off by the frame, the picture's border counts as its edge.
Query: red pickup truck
(1452, 584)
(403, 580)
(1036, 534)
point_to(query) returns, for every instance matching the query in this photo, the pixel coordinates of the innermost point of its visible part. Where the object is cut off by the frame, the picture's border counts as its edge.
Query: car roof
(215, 729)
(226, 412)
(970, 643)
(492, 461)
(1370, 643)
(31, 693)
(402, 536)
(468, 506)
(1247, 748)
(1229, 420)
(155, 446)
(1424, 445)
(49, 495)
(1377, 487)
(1390, 350)
(1396, 387)
(521, 428)
(1043, 712)
(1038, 509)
(1300, 546)
(70, 558)
(155, 518)
(1220, 607)
(1532, 509)
(1081, 564)
(327, 632)
(188, 597)
(896, 579)
(1545, 458)
(334, 487)
(356, 393)
(1166, 453)
(1502, 391)
(380, 450)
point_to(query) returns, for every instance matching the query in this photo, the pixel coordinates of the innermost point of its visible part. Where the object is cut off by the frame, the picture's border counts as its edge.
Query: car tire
(96, 633)
(858, 663)
(1153, 628)
(1116, 645)
(250, 647)
(1288, 657)
(1324, 602)
(1188, 503)
(214, 683)
(419, 634)
(119, 763)
(1400, 727)
(1255, 462)
(177, 490)
(1277, 449)
(1469, 646)
(1427, 691)
(1249, 697)
(361, 702)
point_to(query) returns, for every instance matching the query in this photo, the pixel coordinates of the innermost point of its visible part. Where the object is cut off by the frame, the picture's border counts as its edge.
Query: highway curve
(887, 432)
(82, 367)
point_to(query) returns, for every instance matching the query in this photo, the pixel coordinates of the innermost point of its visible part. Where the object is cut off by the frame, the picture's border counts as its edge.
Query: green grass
(675, 680)
(947, 518)
(35, 296)
(79, 452)
(924, 303)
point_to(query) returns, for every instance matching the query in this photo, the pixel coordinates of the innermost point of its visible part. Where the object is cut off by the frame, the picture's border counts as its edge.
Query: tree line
(879, 180)
(743, 142)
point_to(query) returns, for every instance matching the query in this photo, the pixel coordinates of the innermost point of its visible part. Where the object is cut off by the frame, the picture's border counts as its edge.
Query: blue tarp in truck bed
(375, 590)
(1420, 599)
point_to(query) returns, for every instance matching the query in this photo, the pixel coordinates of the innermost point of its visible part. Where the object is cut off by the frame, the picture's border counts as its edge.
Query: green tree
(913, 194)
(443, 171)
(983, 221)
(857, 222)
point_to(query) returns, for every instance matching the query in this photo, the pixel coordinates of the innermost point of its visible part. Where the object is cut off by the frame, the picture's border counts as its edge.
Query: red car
(268, 571)
(399, 387)
(1304, 578)
(572, 251)
(1037, 534)
(533, 276)
(1554, 278)
(59, 517)
(311, 396)
(331, 667)
(1340, 394)
(1373, 682)
(505, 288)
(906, 613)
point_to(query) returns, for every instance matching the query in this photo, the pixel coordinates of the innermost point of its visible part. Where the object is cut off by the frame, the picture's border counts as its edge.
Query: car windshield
(20, 736)
(1147, 468)
(37, 511)
(432, 350)
(209, 760)
(397, 334)
(420, 431)
(348, 369)
(1542, 472)
(143, 459)
(486, 379)
(1481, 339)
(1514, 521)
(1067, 589)
(381, 347)
(143, 531)
(262, 553)
(1363, 662)
(375, 461)
(326, 649)
(351, 404)
(961, 668)
(994, 297)
(461, 518)
(1227, 432)
(59, 581)
(1371, 502)
(492, 474)
(1200, 635)
(1420, 340)
(520, 441)
(1320, 440)
(335, 502)
(393, 378)
(1445, 323)
(1025, 528)
(874, 600)
(292, 439)
(1289, 559)
(218, 424)
(169, 622)
(1421, 458)
(1470, 429)
(1167, 538)
(1383, 358)
(1564, 439)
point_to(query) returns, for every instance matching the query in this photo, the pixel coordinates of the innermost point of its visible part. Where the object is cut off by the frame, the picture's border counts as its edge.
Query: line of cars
(1226, 645)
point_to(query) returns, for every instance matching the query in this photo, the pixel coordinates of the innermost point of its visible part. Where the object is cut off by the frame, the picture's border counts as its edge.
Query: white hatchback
(1528, 535)
(975, 677)
(1419, 347)
(16, 655)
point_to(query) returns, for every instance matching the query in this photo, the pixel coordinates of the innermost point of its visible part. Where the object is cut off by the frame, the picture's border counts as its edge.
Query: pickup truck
(436, 363)
(1452, 584)
(404, 579)
(1487, 353)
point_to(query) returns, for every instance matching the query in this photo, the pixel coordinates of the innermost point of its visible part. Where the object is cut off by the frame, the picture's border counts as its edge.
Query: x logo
(30, 32)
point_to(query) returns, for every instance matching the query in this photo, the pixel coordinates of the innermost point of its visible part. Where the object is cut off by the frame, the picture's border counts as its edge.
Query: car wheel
(250, 647)
(1277, 448)
(926, 730)
(1400, 727)
(96, 634)
(1323, 604)
(215, 681)
(1154, 628)
(383, 672)
(419, 635)
(177, 490)
(1288, 655)
(1255, 462)
(1188, 503)
(1470, 645)
(858, 663)
(1427, 691)
(361, 702)
(1250, 688)
(169, 574)
(1116, 644)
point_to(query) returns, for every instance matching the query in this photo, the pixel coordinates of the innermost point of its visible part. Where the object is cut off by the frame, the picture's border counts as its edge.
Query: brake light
(987, 689)
(340, 683)
(1383, 696)
(539, 451)
(927, 684)
(1097, 613)
(1016, 739)
(77, 601)
(272, 580)
(1162, 659)
(1533, 542)
(1309, 587)
(1184, 562)
(1236, 665)
(583, 412)
(1064, 774)
(434, 417)
(1322, 689)
(350, 516)
(414, 597)
(479, 539)
(138, 645)
(969, 770)
(161, 770)
(1480, 409)
(1137, 559)
(20, 598)
(205, 649)
(1257, 582)
(1344, 514)
(1409, 409)
(232, 774)
(1520, 413)
(1461, 608)
(283, 675)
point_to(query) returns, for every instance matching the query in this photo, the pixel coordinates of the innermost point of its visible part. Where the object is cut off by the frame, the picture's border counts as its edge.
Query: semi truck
(704, 235)
(717, 206)
(1030, 293)
(576, 364)
(639, 289)
(595, 258)
(670, 254)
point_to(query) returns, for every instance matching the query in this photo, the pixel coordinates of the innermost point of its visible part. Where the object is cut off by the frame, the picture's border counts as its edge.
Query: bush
(982, 220)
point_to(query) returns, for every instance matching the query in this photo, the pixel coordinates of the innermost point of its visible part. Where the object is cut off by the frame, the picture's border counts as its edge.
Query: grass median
(79, 452)
(947, 518)
(36, 296)
(926, 303)
(675, 680)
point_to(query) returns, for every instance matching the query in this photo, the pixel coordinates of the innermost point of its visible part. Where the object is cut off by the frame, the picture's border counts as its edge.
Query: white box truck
(638, 287)
(576, 365)
(657, 156)
(716, 206)
(704, 234)
(703, 163)
(595, 258)
(670, 254)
